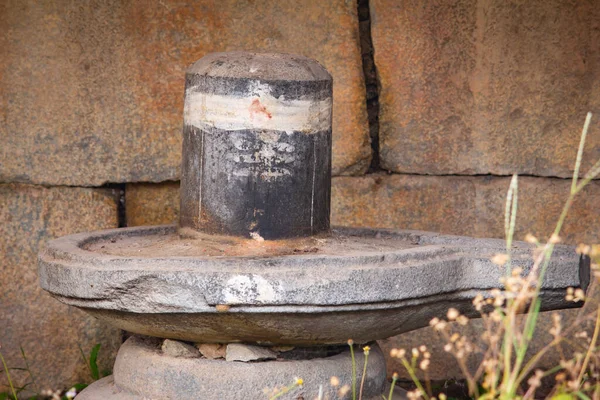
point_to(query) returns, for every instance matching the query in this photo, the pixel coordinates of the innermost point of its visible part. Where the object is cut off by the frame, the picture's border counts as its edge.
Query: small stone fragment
(244, 352)
(212, 351)
(222, 307)
(282, 349)
(175, 348)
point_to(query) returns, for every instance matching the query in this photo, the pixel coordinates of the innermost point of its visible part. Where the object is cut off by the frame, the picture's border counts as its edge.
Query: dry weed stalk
(504, 372)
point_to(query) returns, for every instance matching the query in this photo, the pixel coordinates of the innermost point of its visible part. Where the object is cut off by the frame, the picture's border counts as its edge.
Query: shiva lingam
(254, 260)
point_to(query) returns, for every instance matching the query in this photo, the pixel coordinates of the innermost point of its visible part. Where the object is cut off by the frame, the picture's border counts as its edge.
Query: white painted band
(258, 110)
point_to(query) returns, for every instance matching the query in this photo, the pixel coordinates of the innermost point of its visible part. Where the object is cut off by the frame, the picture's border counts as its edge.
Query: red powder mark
(257, 108)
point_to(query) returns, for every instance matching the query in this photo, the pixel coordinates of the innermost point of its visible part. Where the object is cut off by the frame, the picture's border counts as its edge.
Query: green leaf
(80, 386)
(531, 326)
(563, 396)
(85, 361)
(582, 396)
(93, 363)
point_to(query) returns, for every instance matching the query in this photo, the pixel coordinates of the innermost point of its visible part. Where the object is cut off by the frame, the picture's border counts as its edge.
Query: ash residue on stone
(171, 244)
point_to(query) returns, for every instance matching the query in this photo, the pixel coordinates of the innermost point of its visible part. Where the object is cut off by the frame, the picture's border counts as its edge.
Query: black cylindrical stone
(256, 146)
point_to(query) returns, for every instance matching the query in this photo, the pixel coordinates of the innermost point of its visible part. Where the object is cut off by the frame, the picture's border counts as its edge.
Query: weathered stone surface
(359, 283)
(175, 348)
(444, 366)
(94, 93)
(471, 206)
(106, 389)
(152, 204)
(486, 87)
(141, 372)
(267, 171)
(48, 331)
(245, 353)
(436, 204)
(212, 351)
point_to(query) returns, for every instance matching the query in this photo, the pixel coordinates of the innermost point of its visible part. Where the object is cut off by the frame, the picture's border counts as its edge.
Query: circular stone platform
(356, 283)
(142, 371)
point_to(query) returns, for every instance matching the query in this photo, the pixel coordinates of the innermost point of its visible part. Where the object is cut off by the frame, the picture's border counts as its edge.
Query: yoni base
(142, 371)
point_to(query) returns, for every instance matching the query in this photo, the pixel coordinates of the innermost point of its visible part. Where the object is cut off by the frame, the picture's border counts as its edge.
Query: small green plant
(92, 361)
(392, 386)
(29, 369)
(335, 382)
(351, 344)
(366, 351)
(298, 382)
(14, 392)
(504, 372)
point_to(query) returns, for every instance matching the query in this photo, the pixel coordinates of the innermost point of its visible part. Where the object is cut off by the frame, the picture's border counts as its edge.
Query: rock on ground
(175, 348)
(212, 351)
(245, 352)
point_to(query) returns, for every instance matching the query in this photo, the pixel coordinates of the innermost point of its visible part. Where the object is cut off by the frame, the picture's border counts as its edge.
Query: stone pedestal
(254, 260)
(144, 371)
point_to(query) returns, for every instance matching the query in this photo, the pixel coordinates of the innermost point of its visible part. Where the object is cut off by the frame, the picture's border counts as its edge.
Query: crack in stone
(371, 81)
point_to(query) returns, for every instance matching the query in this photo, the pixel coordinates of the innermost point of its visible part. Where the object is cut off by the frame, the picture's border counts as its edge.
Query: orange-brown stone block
(49, 332)
(486, 87)
(93, 92)
(471, 206)
(152, 204)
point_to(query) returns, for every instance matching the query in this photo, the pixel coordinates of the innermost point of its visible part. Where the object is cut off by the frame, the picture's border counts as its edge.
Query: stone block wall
(485, 87)
(93, 91)
(49, 332)
(435, 104)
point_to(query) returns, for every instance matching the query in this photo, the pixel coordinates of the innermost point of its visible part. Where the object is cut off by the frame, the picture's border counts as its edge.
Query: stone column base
(142, 371)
